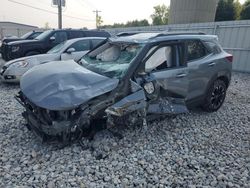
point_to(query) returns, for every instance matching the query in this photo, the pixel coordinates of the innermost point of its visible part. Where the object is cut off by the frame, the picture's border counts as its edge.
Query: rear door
(168, 75)
(201, 68)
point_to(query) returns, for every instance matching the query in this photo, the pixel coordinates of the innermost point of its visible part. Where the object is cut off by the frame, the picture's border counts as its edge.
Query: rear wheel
(215, 96)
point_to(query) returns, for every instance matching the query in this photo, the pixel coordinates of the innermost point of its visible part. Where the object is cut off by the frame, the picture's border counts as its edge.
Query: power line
(48, 11)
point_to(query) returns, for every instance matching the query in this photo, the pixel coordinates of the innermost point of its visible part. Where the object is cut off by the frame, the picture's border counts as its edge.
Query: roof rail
(130, 33)
(179, 33)
(161, 34)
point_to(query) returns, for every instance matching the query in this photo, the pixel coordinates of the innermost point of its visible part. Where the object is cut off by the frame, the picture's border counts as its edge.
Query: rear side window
(81, 45)
(95, 42)
(76, 34)
(195, 50)
(97, 34)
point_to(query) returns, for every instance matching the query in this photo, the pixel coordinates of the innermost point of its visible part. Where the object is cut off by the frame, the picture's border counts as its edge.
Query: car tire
(32, 53)
(215, 96)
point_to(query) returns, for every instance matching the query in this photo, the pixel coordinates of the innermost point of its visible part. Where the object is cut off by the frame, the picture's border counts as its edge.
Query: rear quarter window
(95, 42)
(213, 47)
(97, 34)
(76, 34)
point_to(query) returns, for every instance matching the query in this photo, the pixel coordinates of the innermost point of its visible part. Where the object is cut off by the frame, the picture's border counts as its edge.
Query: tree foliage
(46, 25)
(160, 15)
(245, 13)
(99, 21)
(134, 23)
(228, 10)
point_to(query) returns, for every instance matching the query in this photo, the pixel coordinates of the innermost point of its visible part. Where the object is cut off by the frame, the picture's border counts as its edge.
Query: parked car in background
(28, 36)
(70, 49)
(46, 41)
(126, 80)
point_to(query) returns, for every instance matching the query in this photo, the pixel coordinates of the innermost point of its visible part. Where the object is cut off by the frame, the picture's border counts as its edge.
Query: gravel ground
(191, 150)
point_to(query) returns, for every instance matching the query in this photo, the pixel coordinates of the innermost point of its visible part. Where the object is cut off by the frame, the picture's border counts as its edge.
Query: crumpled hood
(63, 85)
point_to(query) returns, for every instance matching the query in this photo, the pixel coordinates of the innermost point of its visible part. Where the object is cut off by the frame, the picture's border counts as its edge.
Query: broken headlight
(149, 87)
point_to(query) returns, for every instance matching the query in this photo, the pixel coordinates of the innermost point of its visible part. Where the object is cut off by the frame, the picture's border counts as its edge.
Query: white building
(15, 29)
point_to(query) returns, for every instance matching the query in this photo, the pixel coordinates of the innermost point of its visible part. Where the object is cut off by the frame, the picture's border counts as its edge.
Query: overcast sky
(113, 11)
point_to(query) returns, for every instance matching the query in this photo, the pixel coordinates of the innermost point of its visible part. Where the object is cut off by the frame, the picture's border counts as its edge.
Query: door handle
(181, 75)
(211, 64)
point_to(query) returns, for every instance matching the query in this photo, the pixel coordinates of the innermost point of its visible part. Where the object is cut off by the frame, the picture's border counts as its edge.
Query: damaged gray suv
(127, 79)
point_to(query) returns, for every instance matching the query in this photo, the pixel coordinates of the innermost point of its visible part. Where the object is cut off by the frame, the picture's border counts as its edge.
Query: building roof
(14, 23)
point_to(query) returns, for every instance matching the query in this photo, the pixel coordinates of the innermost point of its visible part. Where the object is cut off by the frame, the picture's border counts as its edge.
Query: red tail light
(230, 58)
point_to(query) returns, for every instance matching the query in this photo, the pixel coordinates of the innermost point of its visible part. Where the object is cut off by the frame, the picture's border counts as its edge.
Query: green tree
(99, 21)
(134, 23)
(160, 15)
(137, 23)
(228, 10)
(237, 9)
(245, 13)
(46, 25)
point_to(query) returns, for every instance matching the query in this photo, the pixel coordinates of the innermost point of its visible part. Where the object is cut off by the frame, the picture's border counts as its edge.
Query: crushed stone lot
(190, 150)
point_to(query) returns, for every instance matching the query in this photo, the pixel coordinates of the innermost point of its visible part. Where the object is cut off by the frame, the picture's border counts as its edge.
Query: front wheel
(215, 96)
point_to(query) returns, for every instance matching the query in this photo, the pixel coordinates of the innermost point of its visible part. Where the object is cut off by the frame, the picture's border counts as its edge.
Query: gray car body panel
(63, 88)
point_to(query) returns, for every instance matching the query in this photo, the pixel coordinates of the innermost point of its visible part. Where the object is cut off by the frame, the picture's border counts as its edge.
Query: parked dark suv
(45, 42)
(126, 80)
(27, 36)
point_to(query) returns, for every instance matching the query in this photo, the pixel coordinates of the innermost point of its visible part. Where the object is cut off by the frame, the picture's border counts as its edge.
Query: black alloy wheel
(215, 96)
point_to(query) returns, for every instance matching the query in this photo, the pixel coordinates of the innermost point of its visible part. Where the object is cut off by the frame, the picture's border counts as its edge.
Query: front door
(166, 83)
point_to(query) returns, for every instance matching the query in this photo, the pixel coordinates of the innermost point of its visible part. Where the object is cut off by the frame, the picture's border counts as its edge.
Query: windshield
(26, 35)
(43, 35)
(57, 48)
(111, 59)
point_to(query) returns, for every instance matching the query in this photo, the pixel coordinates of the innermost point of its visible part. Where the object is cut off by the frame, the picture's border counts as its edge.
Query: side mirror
(52, 39)
(70, 50)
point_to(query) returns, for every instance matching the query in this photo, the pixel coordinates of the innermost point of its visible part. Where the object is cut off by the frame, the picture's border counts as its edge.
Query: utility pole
(96, 17)
(59, 2)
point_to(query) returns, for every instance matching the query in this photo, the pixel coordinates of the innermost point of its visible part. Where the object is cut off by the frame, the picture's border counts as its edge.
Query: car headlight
(22, 64)
(15, 48)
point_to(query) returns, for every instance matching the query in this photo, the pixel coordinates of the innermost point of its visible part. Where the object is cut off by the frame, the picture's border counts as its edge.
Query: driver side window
(161, 59)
